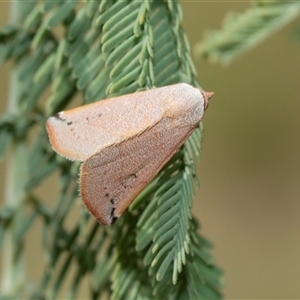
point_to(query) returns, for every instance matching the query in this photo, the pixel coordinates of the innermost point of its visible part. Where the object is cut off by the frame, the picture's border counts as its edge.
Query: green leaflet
(89, 72)
(128, 58)
(63, 90)
(80, 23)
(38, 165)
(128, 15)
(117, 39)
(6, 215)
(60, 13)
(49, 4)
(96, 89)
(123, 80)
(6, 134)
(5, 139)
(101, 274)
(26, 8)
(110, 12)
(78, 49)
(46, 69)
(87, 60)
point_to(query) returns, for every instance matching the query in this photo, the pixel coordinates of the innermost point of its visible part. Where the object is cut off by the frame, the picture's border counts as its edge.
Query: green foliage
(242, 31)
(107, 48)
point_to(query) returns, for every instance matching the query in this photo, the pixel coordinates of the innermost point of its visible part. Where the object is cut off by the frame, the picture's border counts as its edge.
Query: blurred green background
(249, 201)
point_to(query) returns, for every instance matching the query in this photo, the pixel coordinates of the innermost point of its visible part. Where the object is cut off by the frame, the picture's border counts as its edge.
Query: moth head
(206, 97)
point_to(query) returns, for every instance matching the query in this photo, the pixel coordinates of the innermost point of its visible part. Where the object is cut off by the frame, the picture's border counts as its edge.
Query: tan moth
(125, 141)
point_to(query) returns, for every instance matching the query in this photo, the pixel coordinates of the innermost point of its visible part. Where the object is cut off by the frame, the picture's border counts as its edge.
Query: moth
(125, 141)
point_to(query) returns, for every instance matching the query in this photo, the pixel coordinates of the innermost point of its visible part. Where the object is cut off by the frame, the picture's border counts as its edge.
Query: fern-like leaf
(243, 31)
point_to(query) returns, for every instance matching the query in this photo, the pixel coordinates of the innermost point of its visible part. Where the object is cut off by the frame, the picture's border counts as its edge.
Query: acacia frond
(129, 278)
(128, 44)
(199, 278)
(242, 31)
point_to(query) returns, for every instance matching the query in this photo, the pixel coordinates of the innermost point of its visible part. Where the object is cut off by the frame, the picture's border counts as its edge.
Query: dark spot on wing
(113, 220)
(112, 216)
(112, 213)
(69, 123)
(58, 117)
(134, 175)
